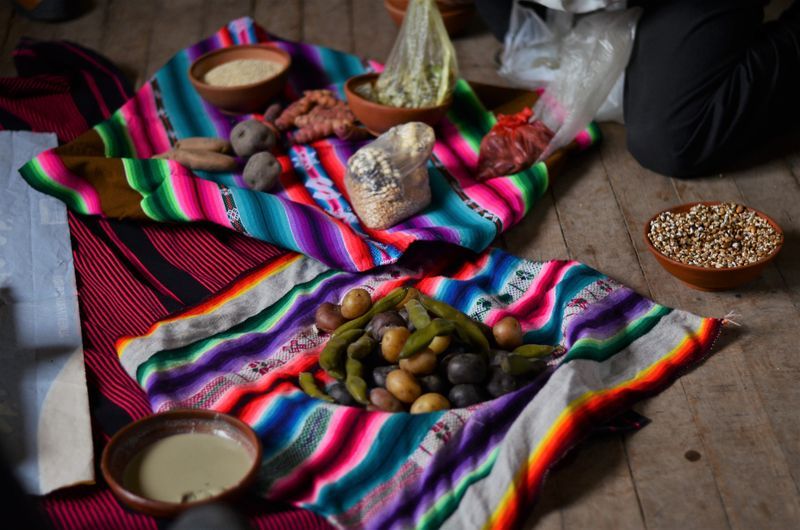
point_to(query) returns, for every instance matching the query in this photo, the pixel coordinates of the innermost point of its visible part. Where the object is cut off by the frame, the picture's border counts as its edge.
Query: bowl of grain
(379, 118)
(241, 79)
(713, 246)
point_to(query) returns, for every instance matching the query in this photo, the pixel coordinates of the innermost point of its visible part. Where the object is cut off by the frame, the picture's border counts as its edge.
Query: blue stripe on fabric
(394, 444)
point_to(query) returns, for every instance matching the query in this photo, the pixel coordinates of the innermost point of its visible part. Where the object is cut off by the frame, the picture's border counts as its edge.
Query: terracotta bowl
(380, 118)
(707, 279)
(455, 18)
(242, 98)
(127, 443)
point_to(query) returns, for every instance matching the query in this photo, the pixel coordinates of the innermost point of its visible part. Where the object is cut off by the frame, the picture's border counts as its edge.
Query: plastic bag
(593, 57)
(532, 46)
(421, 70)
(387, 180)
(513, 144)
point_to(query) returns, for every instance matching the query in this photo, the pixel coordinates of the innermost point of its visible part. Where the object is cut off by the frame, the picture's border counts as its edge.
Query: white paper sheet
(45, 430)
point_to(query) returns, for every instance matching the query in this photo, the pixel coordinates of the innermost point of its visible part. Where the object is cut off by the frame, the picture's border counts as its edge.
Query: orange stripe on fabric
(571, 421)
(234, 290)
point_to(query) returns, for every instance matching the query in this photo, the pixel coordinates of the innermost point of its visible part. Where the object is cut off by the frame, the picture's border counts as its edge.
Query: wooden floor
(723, 450)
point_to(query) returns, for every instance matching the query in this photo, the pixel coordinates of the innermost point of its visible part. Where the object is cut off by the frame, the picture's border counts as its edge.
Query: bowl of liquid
(241, 79)
(168, 462)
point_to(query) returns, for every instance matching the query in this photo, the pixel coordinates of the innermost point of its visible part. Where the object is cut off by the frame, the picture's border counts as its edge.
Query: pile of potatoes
(407, 352)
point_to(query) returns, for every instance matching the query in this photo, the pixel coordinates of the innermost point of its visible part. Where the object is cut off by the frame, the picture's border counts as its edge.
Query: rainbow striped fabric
(240, 352)
(110, 171)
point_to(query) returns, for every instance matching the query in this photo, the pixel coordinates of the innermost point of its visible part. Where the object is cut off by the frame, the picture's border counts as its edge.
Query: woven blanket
(129, 274)
(109, 170)
(480, 467)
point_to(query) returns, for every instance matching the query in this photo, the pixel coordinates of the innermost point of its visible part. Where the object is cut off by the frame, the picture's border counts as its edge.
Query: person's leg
(706, 80)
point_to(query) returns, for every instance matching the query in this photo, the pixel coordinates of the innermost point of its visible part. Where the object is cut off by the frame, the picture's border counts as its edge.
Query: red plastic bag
(513, 144)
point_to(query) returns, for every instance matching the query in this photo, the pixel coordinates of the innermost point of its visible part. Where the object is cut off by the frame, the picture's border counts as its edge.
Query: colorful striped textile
(129, 275)
(241, 350)
(109, 171)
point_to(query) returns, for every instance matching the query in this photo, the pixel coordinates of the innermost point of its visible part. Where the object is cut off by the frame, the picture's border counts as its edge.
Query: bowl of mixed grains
(241, 79)
(713, 246)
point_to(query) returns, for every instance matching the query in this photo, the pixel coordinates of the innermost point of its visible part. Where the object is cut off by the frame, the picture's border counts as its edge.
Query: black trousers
(707, 81)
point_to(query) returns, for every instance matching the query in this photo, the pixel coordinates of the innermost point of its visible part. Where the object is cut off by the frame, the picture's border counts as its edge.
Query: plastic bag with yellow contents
(421, 70)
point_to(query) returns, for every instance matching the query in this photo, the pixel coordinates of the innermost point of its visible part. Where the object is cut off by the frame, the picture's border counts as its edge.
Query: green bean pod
(354, 367)
(309, 386)
(362, 347)
(466, 328)
(331, 359)
(420, 339)
(354, 382)
(384, 304)
(516, 365)
(417, 314)
(357, 388)
(534, 351)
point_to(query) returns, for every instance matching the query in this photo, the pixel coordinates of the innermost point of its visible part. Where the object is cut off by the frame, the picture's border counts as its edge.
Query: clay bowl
(707, 279)
(240, 99)
(127, 443)
(455, 18)
(380, 118)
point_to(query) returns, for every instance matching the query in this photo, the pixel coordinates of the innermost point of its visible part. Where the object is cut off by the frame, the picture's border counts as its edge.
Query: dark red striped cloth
(129, 275)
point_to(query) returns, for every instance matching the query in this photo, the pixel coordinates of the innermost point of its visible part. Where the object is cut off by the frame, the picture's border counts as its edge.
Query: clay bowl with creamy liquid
(173, 455)
(245, 98)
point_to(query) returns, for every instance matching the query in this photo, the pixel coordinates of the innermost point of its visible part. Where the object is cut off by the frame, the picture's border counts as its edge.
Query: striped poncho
(110, 171)
(241, 351)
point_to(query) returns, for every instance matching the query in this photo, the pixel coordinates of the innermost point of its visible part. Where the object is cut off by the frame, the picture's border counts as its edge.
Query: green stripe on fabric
(448, 502)
(35, 175)
(115, 136)
(263, 321)
(162, 204)
(600, 350)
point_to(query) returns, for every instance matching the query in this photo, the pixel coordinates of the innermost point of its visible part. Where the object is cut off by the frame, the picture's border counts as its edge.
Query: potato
(355, 303)
(394, 339)
(507, 333)
(403, 386)
(384, 400)
(262, 171)
(329, 317)
(201, 160)
(429, 403)
(202, 143)
(439, 344)
(383, 321)
(250, 137)
(421, 363)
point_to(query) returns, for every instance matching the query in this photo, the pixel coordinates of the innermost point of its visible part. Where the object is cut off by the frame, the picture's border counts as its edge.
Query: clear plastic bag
(387, 180)
(594, 55)
(532, 46)
(421, 70)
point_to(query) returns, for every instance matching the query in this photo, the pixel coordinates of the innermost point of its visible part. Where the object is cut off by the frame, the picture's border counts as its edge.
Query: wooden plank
(330, 23)
(726, 395)
(126, 45)
(377, 41)
(220, 12)
(595, 233)
(88, 29)
(21, 26)
(168, 38)
(281, 18)
(476, 51)
(598, 475)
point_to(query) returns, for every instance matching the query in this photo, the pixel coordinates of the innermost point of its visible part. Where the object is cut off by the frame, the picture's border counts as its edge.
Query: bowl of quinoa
(241, 79)
(713, 246)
